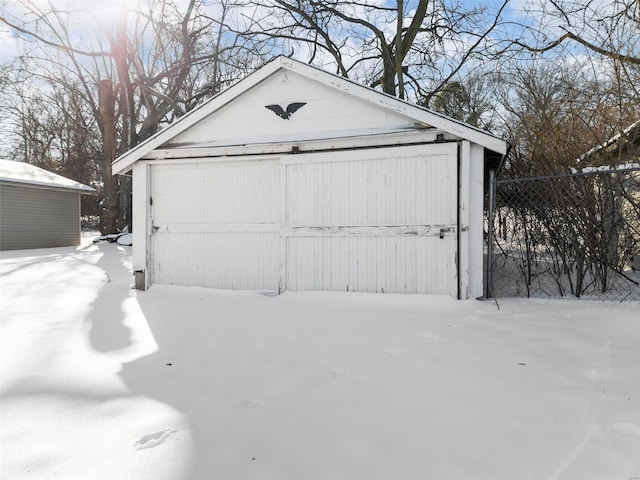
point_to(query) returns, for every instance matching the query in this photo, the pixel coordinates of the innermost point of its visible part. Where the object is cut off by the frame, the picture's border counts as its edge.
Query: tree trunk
(107, 122)
(399, 53)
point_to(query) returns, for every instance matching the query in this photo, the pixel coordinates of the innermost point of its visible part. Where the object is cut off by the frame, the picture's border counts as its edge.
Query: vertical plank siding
(238, 261)
(327, 199)
(370, 264)
(210, 194)
(32, 217)
(212, 226)
(382, 192)
(364, 221)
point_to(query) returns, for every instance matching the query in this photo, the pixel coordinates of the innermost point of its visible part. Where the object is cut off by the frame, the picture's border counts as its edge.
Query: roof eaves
(79, 188)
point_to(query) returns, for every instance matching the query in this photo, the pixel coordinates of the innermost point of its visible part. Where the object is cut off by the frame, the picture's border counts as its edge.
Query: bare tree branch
(50, 43)
(625, 58)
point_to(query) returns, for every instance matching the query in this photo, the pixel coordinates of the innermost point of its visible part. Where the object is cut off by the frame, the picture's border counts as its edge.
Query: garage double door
(380, 220)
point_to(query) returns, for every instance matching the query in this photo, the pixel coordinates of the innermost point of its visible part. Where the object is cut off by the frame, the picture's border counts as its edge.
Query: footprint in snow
(430, 335)
(253, 403)
(153, 439)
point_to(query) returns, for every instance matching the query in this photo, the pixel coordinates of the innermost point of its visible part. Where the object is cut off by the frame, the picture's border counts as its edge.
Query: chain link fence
(569, 236)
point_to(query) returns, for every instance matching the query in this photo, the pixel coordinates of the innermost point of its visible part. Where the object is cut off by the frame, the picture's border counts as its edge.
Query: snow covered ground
(100, 381)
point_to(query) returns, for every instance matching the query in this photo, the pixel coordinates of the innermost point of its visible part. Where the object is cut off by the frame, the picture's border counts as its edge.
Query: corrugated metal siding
(217, 226)
(38, 218)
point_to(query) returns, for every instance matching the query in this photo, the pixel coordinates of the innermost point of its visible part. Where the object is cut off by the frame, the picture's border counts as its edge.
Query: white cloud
(8, 46)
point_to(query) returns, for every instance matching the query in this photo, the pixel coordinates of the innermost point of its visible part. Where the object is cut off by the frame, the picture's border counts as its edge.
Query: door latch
(445, 230)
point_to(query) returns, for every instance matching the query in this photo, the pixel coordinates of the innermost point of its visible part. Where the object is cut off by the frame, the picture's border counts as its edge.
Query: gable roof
(420, 115)
(26, 174)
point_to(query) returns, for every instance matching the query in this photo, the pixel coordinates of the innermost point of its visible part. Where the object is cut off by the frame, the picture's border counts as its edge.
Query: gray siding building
(38, 209)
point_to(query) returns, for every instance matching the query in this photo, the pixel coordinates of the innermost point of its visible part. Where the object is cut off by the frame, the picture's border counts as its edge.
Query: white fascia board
(305, 146)
(335, 135)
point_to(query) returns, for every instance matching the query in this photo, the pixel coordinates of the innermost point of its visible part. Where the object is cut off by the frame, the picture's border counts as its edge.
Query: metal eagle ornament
(286, 114)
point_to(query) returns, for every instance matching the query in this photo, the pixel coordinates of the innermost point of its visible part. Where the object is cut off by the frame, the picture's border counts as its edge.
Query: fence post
(488, 281)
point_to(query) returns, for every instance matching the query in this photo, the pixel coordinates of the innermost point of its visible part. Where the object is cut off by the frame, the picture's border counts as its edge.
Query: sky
(83, 36)
(106, 12)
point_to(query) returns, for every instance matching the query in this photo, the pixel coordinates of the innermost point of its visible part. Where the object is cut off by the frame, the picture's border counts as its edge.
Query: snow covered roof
(631, 132)
(609, 168)
(24, 173)
(421, 116)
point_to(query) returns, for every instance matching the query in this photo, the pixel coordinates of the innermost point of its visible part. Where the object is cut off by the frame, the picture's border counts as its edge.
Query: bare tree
(469, 100)
(609, 29)
(132, 69)
(569, 227)
(554, 111)
(408, 48)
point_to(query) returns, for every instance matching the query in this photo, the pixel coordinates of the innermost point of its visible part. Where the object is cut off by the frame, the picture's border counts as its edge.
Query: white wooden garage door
(217, 225)
(357, 220)
(362, 221)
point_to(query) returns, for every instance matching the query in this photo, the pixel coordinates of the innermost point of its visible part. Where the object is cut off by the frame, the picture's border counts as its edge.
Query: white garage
(295, 179)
